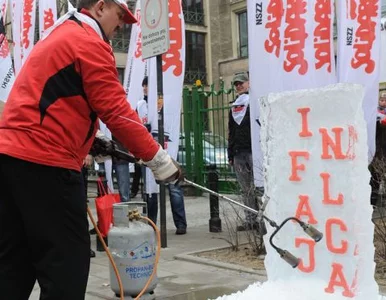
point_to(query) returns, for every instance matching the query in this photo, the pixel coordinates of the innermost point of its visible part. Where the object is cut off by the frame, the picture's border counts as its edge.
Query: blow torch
(103, 147)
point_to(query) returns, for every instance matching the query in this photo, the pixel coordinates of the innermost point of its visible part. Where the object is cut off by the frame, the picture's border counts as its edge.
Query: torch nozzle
(315, 234)
(289, 258)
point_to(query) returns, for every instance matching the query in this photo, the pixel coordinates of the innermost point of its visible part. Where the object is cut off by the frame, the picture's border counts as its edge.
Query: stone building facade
(227, 38)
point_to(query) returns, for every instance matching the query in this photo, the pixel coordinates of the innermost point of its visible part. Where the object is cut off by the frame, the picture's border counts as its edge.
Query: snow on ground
(286, 290)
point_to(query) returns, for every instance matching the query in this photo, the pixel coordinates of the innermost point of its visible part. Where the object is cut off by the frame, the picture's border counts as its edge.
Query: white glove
(164, 168)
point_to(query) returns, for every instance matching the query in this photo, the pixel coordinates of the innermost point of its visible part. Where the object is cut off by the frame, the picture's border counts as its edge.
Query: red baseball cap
(129, 17)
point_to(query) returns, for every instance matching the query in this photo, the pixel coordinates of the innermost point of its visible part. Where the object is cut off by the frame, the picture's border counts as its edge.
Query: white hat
(129, 17)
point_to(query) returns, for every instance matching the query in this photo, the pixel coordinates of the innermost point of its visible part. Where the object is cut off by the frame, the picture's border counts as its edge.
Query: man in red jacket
(47, 128)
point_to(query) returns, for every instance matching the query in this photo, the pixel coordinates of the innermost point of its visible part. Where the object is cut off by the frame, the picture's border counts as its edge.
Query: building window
(193, 11)
(195, 57)
(121, 41)
(243, 34)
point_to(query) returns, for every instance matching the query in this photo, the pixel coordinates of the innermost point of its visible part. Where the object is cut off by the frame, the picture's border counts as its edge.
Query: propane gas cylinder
(132, 244)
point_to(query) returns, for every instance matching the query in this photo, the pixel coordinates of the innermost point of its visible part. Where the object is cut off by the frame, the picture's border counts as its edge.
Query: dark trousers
(152, 206)
(243, 164)
(85, 180)
(375, 182)
(43, 231)
(136, 179)
(177, 205)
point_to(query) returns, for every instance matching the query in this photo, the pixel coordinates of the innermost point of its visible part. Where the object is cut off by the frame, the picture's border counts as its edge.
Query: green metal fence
(204, 135)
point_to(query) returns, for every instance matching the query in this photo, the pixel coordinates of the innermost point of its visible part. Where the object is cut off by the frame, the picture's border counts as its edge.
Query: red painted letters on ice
(326, 191)
(342, 249)
(304, 209)
(305, 130)
(336, 145)
(338, 279)
(333, 226)
(311, 250)
(295, 167)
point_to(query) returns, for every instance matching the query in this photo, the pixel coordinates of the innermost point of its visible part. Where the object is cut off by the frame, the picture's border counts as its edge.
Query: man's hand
(102, 145)
(230, 162)
(87, 162)
(164, 168)
(177, 177)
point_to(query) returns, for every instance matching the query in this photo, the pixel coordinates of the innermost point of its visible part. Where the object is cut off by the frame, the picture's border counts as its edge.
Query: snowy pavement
(289, 290)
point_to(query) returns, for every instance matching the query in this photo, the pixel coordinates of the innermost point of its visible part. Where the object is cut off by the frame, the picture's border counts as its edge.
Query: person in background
(142, 111)
(240, 149)
(382, 106)
(122, 172)
(177, 203)
(176, 193)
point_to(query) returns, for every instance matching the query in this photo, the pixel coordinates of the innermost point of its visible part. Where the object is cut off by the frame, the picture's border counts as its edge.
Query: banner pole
(161, 140)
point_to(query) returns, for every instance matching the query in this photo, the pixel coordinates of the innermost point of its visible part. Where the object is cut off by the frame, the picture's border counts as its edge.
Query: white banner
(3, 8)
(135, 66)
(17, 16)
(292, 41)
(136, 70)
(7, 76)
(28, 28)
(173, 67)
(359, 42)
(382, 76)
(314, 142)
(173, 77)
(47, 15)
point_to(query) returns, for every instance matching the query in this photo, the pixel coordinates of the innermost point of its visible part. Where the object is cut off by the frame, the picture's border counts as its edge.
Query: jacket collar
(87, 13)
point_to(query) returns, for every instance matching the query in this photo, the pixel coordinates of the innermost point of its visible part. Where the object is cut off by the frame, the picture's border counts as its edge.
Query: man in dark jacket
(240, 148)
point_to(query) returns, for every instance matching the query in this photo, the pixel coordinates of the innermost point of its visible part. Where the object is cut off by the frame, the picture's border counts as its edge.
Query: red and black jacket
(68, 81)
